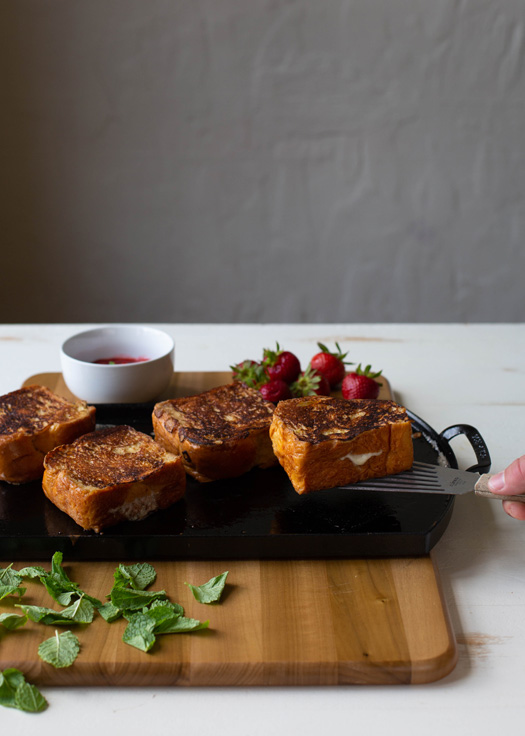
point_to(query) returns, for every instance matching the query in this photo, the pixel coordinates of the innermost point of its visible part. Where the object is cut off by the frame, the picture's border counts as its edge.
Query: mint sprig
(148, 613)
(164, 618)
(129, 590)
(60, 587)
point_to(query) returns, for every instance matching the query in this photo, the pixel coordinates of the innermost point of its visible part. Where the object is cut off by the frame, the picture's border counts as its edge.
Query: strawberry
(331, 365)
(309, 383)
(275, 390)
(281, 364)
(249, 372)
(361, 384)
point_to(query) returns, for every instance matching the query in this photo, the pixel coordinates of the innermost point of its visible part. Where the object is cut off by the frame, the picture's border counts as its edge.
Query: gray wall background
(262, 160)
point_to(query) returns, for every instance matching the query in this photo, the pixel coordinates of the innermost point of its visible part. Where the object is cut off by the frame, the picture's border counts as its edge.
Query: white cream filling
(362, 458)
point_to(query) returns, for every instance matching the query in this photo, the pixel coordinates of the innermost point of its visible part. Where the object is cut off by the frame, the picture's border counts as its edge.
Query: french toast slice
(112, 475)
(324, 442)
(220, 433)
(34, 420)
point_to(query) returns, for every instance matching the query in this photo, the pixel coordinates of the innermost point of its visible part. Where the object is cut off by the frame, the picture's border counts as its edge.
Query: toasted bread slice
(220, 433)
(112, 475)
(34, 420)
(324, 442)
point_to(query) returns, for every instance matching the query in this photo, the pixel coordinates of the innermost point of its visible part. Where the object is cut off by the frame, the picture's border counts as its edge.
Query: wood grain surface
(314, 622)
(279, 623)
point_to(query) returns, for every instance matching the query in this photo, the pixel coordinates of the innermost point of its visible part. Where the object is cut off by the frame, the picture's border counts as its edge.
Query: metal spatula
(425, 478)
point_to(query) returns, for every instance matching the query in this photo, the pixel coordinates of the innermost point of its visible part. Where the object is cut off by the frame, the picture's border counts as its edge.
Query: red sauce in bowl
(119, 360)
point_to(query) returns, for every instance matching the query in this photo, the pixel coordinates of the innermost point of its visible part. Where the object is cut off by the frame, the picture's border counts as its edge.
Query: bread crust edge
(323, 465)
(22, 454)
(226, 459)
(98, 508)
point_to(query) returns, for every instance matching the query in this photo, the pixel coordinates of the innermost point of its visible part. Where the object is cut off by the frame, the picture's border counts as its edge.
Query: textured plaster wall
(262, 160)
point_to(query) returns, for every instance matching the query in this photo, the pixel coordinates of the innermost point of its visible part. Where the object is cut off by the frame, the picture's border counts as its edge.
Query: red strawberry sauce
(119, 360)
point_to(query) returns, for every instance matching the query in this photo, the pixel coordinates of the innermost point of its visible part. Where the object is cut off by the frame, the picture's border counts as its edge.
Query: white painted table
(447, 374)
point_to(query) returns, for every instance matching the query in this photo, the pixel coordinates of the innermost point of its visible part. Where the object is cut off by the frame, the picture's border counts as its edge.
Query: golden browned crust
(112, 475)
(220, 433)
(324, 442)
(34, 420)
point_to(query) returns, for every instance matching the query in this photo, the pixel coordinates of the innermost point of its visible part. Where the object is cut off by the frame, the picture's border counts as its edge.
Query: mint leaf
(6, 590)
(128, 593)
(15, 692)
(81, 612)
(109, 612)
(57, 570)
(60, 650)
(56, 590)
(38, 614)
(12, 621)
(60, 587)
(9, 577)
(10, 680)
(162, 617)
(48, 616)
(211, 591)
(9, 582)
(32, 572)
(177, 608)
(180, 625)
(164, 614)
(139, 632)
(128, 599)
(13, 677)
(29, 698)
(138, 576)
(159, 609)
(7, 690)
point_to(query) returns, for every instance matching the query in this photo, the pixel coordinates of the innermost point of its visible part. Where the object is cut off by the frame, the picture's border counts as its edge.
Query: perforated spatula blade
(426, 478)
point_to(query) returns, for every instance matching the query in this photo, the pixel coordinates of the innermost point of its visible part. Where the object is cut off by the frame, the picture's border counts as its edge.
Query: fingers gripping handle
(482, 489)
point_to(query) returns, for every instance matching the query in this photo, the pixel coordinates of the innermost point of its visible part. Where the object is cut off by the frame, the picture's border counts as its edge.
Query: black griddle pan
(257, 516)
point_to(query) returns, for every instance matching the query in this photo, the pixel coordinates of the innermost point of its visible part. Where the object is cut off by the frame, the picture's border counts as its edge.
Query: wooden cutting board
(280, 622)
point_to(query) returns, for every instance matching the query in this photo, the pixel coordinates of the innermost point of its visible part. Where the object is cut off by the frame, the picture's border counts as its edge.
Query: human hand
(511, 482)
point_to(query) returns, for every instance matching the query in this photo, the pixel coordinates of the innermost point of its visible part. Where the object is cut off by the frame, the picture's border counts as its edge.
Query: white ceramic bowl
(126, 383)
